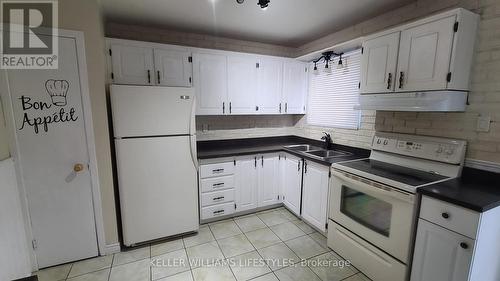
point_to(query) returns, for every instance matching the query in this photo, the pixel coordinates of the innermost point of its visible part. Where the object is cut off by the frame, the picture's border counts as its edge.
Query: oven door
(380, 214)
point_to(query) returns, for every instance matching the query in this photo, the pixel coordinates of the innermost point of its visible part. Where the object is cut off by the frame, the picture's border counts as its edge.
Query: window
(332, 97)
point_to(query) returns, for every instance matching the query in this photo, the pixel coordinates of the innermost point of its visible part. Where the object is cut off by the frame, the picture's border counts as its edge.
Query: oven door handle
(373, 187)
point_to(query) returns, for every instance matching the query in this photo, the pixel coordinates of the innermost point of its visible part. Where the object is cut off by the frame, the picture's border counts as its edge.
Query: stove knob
(386, 142)
(379, 141)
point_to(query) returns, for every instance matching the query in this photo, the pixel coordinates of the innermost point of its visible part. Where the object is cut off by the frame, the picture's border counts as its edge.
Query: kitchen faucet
(328, 140)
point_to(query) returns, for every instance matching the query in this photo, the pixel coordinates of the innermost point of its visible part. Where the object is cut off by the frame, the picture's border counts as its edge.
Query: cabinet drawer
(450, 216)
(219, 183)
(217, 197)
(217, 170)
(217, 211)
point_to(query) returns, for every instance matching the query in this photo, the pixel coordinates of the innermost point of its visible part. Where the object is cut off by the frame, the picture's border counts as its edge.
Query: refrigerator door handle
(194, 156)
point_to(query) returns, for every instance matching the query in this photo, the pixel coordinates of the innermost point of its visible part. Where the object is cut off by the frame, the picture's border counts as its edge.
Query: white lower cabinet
(268, 179)
(315, 194)
(292, 183)
(441, 254)
(246, 183)
(456, 243)
(217, 189)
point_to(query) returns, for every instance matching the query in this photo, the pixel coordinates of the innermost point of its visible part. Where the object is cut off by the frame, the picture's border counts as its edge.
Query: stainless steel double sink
(317, 152)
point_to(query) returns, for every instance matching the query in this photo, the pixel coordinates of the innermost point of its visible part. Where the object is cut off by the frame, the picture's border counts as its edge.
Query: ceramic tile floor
(270, 245)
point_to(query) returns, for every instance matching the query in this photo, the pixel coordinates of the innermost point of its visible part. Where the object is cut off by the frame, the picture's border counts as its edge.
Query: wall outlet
(204, 127)
(483, 123)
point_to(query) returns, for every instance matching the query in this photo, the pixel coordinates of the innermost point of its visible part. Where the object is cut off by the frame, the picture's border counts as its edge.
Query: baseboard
(483, 165)
(111, 249)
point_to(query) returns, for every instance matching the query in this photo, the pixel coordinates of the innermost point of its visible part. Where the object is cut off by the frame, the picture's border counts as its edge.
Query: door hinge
(455, 26)
(448, 77)
(112, 75)
(34, 244)
(326, 225)
(235, 206)
(257, 65)
(190, 59)
(279, 157)
(190, 80)
(110, 52)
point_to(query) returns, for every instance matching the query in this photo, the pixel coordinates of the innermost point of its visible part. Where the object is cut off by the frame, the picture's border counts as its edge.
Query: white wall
(14, 255)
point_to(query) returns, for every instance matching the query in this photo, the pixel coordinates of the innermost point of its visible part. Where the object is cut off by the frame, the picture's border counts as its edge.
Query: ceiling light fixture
(340, 64)
(263, 4)
(328, 57)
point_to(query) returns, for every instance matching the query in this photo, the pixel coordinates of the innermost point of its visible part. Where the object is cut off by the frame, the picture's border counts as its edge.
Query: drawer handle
(218, 198)
(445, 215)
(464, 245)
(218, 184)
(218, 212)
(216, 171)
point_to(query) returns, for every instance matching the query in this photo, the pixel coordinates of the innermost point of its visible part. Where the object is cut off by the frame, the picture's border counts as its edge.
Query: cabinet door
(440, 254)
(173, 68)
(268, 176)
(242, 86)
(210, 82)
(292, 183)
(315, 194)
(378, 64)
(269, 86)
(294, 87)
(246, 184)
(424, 56)
(132, 65)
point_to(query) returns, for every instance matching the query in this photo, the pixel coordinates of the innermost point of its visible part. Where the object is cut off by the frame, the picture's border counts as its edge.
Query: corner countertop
(237, 147)
(476, 190)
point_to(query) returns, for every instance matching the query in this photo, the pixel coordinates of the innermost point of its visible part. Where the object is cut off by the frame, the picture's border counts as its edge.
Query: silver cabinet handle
(217, 171)
(389, 81)
(280, 107)
(218, 212)
(158, 76)
(230, 107)
(218, 198)
(401, 79)
(223, 108)
(218, 184)
(149, 76)
(286, 107)
(298, 165)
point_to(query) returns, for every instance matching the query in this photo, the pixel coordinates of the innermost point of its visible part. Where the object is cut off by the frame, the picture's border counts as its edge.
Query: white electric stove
(372, 201)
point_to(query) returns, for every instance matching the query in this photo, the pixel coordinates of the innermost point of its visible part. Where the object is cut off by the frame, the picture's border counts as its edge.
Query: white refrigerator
(155, 143)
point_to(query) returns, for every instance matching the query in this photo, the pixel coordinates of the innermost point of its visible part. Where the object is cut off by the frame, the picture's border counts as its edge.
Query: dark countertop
(237, 147)
(476, 190)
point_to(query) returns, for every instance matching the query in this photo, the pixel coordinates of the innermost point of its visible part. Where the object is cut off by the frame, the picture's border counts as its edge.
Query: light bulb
(328, 69)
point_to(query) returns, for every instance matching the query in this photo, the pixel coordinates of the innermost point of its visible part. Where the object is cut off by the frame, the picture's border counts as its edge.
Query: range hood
(415, 101)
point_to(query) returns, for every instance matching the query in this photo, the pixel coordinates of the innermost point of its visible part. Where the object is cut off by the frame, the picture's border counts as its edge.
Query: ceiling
(286, 22)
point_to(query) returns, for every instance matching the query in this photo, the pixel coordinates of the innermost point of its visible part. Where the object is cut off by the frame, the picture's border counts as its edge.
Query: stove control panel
(432, 148)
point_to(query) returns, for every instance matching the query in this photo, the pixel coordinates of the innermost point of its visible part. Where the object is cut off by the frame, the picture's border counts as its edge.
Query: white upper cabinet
(132, 65)
(294, 87)
(432, 54)
(315, 194)
(246, 184)
(210, 82)
(269, 86)
(268, 176)
(173, 68)
(292, 183)
(379, 61)
(424, 55)
(242, 86)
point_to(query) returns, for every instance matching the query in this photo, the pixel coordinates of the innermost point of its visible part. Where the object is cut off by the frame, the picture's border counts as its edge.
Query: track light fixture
(327, 57)
(263, 4)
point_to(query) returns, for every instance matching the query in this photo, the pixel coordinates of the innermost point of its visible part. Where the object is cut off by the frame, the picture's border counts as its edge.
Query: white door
(246, 184)
(242, 86)
(424, 56)
(54, 157)
(315, 194)
(294, 87)
(173, 68)
(210, 82)
(292, 183)
(268, 177)
(269, 86)
(378, 63)
(132, 65)
(441, 254)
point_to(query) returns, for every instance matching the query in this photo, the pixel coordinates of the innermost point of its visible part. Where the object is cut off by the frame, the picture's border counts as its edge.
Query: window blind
(332, 96)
